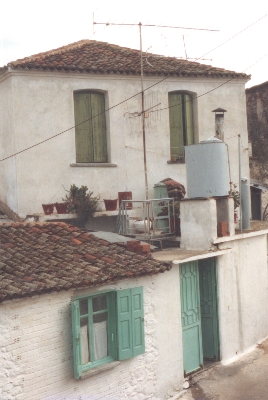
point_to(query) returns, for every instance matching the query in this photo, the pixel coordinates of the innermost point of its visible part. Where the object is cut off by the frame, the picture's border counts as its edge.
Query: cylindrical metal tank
(207, 169)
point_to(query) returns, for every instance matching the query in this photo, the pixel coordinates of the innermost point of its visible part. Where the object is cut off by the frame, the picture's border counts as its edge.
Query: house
(257, 116)
(72, 317)
(82, 102)
(85, 318)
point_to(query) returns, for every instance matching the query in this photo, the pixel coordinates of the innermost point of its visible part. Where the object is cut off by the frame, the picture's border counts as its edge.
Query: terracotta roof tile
(39, 258)
(91, 56)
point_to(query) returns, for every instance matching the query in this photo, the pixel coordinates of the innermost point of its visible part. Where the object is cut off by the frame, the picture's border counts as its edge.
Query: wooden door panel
(191, 318)
(209, 311)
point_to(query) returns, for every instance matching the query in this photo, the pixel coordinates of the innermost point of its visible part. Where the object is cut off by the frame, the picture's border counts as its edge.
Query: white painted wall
(198, 224)
(243, 295)
(36, 354)
(42, 105)
(36, 358)
(8, 168)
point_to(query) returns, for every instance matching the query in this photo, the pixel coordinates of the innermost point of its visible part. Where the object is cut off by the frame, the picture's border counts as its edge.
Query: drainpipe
(245, 203)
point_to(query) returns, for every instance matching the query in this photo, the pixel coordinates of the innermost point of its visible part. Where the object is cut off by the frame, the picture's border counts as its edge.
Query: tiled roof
(91, 56)
(38, 258)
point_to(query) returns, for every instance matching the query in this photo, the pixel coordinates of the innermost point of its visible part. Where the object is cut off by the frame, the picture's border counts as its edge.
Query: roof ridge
(58, 50)
(96, 57)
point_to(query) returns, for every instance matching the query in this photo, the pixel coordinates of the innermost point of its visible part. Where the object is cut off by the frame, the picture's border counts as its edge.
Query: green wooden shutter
(176, 125)
(189, 119)
(137, 321)
(83, 132)
(99, 127)
(130, 323)
(76, 339)
(124, 329)
(90, 134)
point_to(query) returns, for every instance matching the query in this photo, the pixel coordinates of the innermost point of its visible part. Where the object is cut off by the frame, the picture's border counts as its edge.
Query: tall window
(90, 134)
(181, 123)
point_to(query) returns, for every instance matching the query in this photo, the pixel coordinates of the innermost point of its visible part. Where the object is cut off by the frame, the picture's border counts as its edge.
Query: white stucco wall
(43, 106)
(8, 168)
(198, 224)
(36, 355)
(243, 295)
(36, 358)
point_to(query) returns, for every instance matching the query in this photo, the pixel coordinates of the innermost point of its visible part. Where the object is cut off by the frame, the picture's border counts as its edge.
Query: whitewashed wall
(36, 356)
(8, 168)
(42, 106)
(243, 295)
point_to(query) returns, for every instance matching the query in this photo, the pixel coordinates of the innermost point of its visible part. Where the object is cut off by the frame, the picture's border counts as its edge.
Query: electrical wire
(149, 87)
(211, 90)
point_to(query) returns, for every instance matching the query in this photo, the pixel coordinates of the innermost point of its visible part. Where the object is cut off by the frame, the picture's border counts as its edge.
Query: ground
(245, 379)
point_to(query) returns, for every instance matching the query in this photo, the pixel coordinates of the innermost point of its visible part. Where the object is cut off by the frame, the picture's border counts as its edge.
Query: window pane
(99, 303)
(100, 317)
(83, 307)
(100, 329)
(84, 337)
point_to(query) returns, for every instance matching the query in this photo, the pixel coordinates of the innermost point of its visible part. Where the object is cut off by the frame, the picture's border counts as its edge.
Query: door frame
(200, 363)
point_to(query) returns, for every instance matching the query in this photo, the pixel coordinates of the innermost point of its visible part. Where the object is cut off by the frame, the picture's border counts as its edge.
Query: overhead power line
(118, 104)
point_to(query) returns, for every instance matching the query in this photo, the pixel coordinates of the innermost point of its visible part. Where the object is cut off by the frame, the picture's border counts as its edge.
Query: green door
(209, 311)
(191, 318)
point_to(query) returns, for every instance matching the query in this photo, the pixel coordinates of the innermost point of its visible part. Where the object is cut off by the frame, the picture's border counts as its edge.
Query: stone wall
(257, 116)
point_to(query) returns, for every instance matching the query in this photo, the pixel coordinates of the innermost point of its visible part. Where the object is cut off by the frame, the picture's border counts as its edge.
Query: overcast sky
(28, 27)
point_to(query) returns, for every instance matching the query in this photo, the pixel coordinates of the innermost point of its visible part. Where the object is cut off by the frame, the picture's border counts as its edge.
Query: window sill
(182, 161)
(98, 370)
(109, 165)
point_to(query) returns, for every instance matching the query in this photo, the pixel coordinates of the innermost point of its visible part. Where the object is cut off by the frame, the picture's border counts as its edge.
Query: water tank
(207, 169)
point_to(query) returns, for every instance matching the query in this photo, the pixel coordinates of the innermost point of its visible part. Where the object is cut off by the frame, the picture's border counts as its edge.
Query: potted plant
(110, 205)
(48, 208)
(61, 207)
(175, 222)
(81, 202)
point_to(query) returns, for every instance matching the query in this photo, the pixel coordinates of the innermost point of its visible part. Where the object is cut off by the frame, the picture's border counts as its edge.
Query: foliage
(81, 202)
(177, 208)
(236, 197)
(164, 210)
(258, 133)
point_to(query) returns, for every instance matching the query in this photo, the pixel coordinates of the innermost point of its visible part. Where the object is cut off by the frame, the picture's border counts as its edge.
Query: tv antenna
(141, 75)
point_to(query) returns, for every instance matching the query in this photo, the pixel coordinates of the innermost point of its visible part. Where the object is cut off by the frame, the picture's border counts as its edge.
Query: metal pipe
(245, 203)
(143, 120)
(240, 175)
(229, 167)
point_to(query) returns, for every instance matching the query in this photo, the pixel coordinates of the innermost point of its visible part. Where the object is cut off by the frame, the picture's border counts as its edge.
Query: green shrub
(80, 202)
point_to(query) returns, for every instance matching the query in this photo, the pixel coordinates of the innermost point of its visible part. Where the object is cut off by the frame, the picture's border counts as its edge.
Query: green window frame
(107, 326)
(181, 123)
(90, 127)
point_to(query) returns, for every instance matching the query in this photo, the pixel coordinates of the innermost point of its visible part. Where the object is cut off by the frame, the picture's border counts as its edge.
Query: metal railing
(147, 219)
